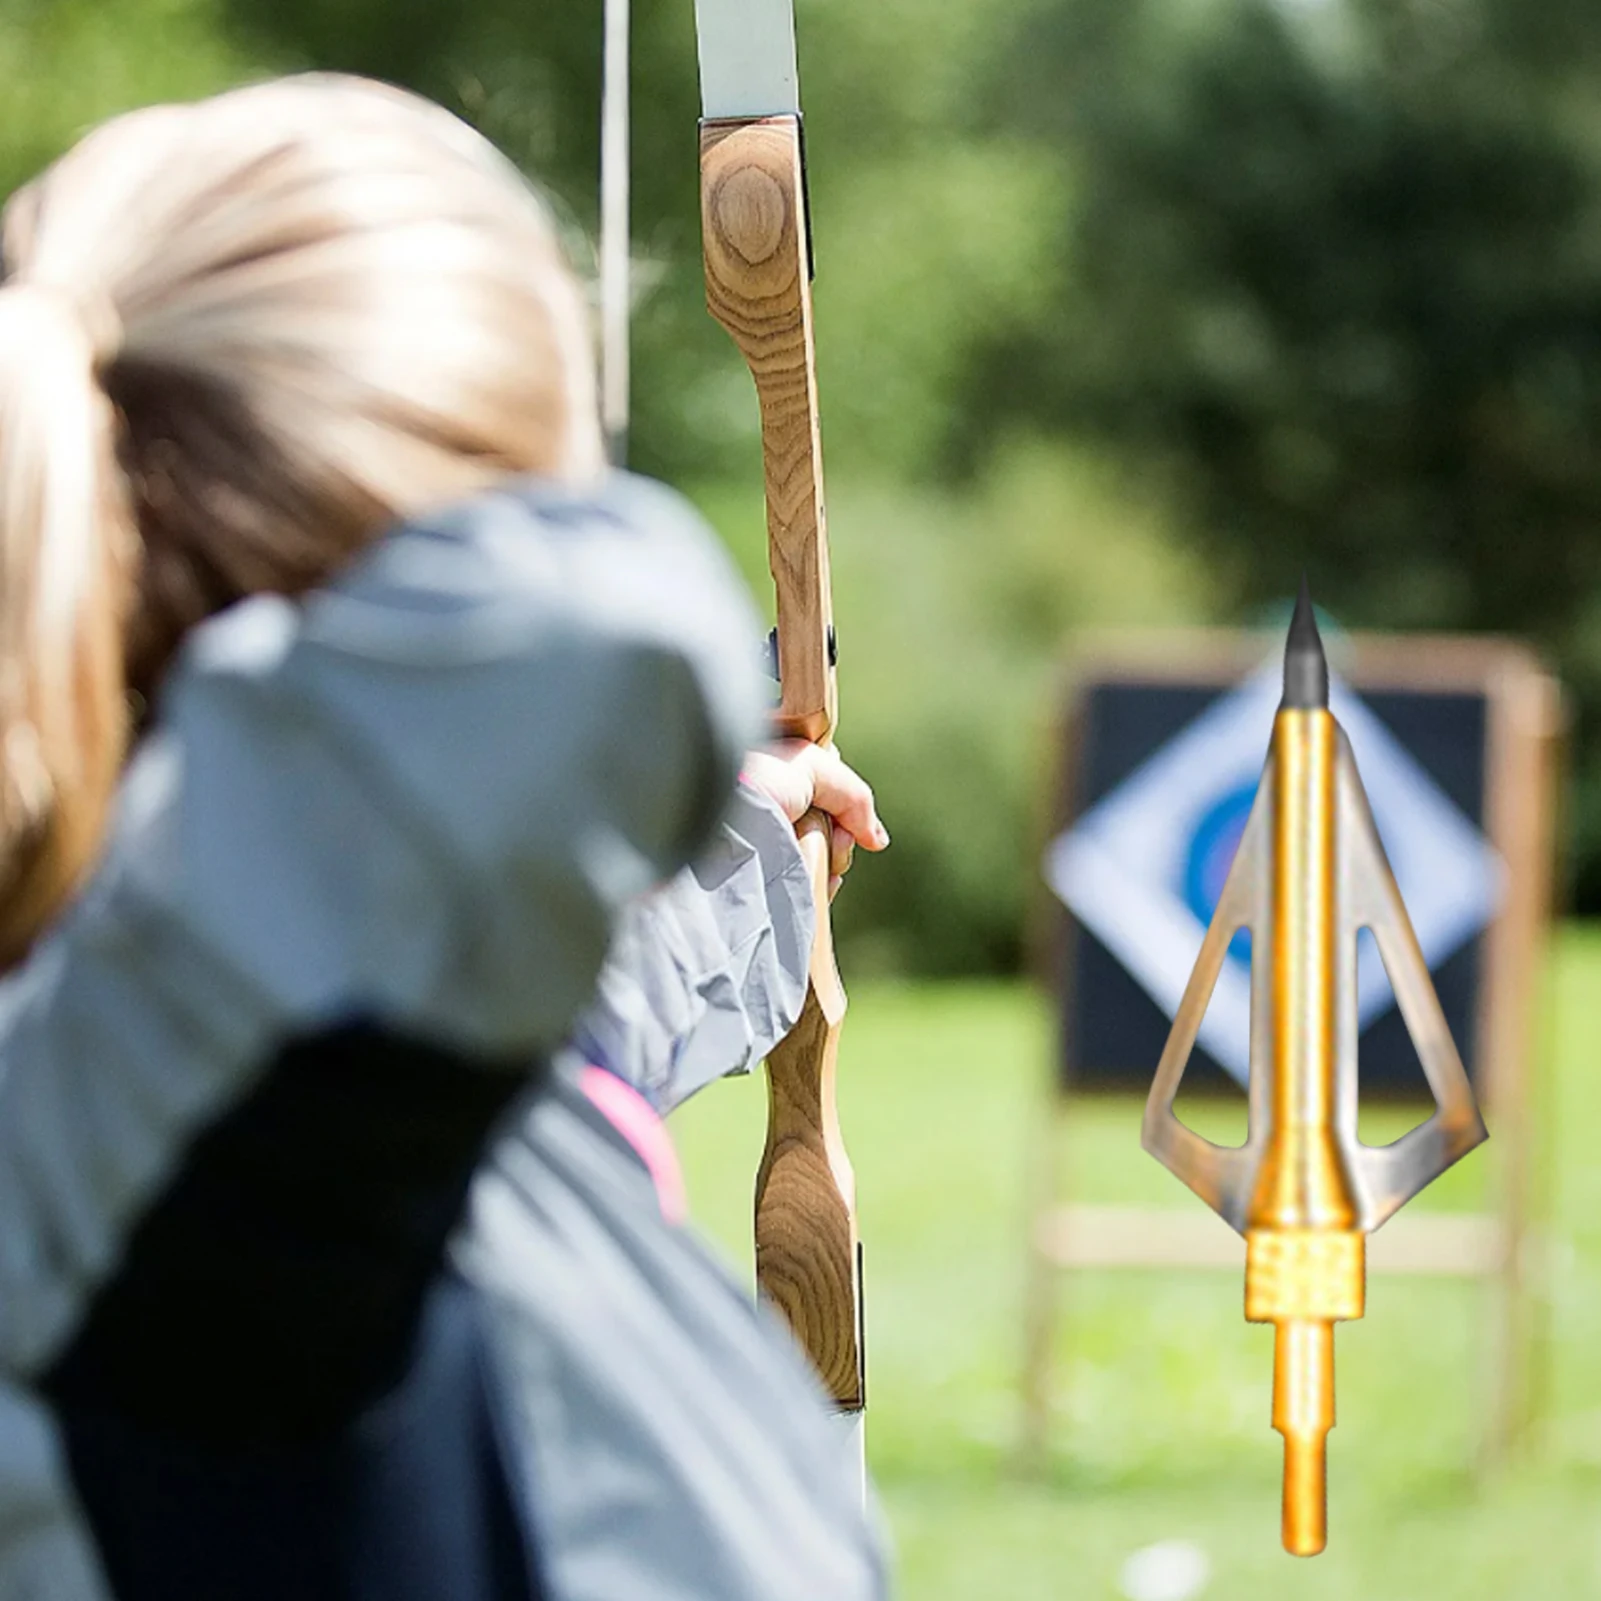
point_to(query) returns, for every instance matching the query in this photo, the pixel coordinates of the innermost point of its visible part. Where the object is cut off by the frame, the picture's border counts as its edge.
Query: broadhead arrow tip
(1306, 669)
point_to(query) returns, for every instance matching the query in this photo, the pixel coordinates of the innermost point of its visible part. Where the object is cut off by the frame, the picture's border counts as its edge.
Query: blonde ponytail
(237, 340)
(65, 544)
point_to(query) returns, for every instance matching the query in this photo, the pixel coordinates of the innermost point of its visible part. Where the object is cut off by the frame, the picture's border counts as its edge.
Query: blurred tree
(1335, 270)
(68, 64)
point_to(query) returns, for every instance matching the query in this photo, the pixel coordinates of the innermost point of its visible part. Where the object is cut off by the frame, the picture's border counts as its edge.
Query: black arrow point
(1306, 669)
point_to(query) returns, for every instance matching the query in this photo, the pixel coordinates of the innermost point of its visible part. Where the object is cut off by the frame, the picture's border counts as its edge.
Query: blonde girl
(346, 703)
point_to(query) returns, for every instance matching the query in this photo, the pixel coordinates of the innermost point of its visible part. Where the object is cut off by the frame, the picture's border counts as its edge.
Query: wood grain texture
(753, 228)
(807, 1261)
(753, 221)
(808, 1257)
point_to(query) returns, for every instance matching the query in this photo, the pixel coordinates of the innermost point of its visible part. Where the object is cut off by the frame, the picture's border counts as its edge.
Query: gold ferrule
(1305, 1273)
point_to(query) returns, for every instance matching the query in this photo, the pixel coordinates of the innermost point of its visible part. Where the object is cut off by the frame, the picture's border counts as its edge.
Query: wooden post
(1048, 946)
(1524, 736)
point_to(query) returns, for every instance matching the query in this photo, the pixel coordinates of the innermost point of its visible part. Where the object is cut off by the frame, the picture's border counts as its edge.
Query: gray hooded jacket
(426, 793)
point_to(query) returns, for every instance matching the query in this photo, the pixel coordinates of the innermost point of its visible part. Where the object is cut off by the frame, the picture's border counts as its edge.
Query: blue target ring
(1213, 845)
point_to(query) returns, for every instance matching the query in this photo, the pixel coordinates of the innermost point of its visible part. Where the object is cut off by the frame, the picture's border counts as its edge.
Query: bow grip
(808, 1253)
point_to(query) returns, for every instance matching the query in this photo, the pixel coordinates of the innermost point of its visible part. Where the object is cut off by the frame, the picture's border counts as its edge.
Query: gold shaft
(1305, 1260)
(1303, 1182)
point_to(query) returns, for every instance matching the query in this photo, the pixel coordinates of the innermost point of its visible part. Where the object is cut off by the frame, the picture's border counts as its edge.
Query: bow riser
(758, 286)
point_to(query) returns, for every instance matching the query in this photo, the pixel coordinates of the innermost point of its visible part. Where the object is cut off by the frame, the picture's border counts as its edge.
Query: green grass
(1162, 1429)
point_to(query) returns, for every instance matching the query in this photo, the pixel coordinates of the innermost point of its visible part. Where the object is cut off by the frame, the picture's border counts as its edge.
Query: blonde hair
(237, 340)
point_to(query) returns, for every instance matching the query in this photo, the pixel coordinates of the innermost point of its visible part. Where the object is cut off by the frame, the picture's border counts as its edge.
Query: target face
(1213, 846)
(1145, 867)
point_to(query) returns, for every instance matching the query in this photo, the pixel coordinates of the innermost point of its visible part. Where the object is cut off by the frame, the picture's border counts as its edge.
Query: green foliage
(1325, 275)
(1335, 271)
(68, 64)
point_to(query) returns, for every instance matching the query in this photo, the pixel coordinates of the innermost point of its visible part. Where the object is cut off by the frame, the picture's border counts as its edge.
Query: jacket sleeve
(424, 794)
(680, 1442)
(709, 972)
(536, 704)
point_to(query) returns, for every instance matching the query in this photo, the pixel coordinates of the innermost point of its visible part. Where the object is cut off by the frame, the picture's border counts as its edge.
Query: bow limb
(758, 285)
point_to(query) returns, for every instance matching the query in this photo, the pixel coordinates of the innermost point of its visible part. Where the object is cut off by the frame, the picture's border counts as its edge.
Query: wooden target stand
(1498, 1247)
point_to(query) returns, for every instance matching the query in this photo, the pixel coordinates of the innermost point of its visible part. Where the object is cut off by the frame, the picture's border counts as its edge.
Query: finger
(781, 773)
(846, 797)
(841, 848)
(833, 887)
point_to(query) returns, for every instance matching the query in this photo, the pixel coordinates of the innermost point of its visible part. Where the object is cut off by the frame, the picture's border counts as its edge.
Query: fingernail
(882, 835)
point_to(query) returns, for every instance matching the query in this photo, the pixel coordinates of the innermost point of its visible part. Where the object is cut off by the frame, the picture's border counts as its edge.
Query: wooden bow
(758, 285)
